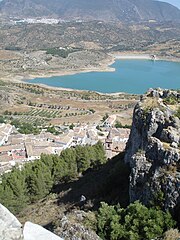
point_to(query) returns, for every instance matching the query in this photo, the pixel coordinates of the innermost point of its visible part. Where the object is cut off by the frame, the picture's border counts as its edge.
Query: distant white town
(17, 149)
(40, 20)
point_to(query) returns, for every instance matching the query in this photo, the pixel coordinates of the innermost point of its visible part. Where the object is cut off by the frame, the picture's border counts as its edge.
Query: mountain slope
(123, 10)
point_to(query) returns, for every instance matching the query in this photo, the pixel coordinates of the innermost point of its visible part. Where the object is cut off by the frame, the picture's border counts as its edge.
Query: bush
(177, 114)
(2, 120)
(171, 100)
(52, 130)
(136, 222)
(105, 117)
(26, 128)
(118, 124)
(71, 126)
(63, 52)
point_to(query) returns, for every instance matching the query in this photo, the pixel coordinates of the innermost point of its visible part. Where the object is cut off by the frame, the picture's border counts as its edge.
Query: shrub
(136, 222)
(177, 114)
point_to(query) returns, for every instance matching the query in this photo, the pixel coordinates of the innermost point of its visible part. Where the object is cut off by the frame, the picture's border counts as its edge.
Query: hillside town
(17, 148)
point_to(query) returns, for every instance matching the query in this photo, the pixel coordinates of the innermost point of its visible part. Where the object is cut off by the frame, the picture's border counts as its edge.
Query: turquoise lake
(130, 76)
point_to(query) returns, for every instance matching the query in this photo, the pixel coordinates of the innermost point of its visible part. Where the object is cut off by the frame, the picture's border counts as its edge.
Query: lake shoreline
(105, 67)
(141, 56)
(133, 57)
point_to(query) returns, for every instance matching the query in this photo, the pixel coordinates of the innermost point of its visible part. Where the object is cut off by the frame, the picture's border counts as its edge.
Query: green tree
(178, 113)
(60, 169)
(7, 197)
(136, 222)
(2, 120)
(36, 179)
(82, 158)
(71, 126)
(118, 124)
(100, 155)
(69, 157)
(108, 222)
(105, 117)
(13, 191)
(17, 184)
(52, 130)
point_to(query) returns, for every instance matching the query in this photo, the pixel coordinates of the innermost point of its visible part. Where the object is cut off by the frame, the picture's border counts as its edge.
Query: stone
(10, 227)
(71, 226)
(35, 232)
(174, 145)
(153, 151)
(170, 135)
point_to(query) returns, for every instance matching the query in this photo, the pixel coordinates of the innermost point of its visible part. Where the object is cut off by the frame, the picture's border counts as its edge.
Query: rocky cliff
(153, 150)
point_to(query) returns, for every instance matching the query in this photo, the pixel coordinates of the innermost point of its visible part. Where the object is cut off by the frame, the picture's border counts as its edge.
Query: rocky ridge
(153, 150)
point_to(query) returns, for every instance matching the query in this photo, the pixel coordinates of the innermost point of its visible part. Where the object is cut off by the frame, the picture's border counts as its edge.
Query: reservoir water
(130, 76)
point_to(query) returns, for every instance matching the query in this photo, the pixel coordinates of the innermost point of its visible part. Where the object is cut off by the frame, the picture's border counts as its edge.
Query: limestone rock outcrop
(71, 226)
(11, 229)
(35, 232)
(153, 150)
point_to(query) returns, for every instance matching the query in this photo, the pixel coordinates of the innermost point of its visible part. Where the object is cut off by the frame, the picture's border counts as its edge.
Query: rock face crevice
(153, 151)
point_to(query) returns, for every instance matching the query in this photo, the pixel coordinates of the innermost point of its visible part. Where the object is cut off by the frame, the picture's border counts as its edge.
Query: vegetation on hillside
(171, 100)
(52, 130)
(119, 125)
(136, 222)
(61, 52)
(178, 113)
(36, 179)
(2, 119)
(26, 128)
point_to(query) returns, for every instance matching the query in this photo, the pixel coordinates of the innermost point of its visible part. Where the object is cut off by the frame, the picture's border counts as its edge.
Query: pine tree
(16, 181)
(69, 157)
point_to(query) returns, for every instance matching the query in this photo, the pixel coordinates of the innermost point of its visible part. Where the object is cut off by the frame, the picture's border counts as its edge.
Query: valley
(66, 48)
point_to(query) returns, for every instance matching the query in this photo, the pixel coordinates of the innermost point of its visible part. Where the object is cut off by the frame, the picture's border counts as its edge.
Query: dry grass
(42, 212)
(166, 146)
(151, 103)
(172, 234)
(9, 55)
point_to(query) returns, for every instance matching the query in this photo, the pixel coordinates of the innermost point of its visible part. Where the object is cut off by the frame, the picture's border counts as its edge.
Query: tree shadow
(109, 183)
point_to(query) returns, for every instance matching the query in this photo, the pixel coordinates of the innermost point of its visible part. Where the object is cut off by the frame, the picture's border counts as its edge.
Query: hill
(106, 10)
